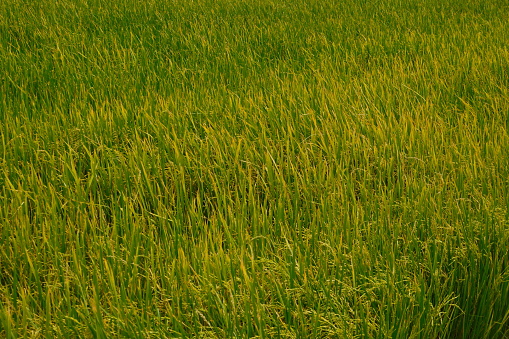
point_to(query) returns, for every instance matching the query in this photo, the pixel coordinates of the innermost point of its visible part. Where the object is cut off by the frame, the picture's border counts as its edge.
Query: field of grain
(254, 169)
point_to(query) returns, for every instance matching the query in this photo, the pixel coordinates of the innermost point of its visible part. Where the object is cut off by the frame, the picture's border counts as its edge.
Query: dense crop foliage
(254, 168)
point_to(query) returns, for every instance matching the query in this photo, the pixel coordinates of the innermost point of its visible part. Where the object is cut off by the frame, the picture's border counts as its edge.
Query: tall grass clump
(255, 168)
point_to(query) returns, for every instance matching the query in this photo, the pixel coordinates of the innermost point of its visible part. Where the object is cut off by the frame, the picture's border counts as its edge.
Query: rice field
(254, 169)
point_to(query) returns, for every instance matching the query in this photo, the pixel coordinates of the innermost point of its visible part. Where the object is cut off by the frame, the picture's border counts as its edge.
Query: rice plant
(254, 169)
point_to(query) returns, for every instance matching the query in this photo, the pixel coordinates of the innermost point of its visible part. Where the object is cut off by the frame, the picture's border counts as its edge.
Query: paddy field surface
(254, 169)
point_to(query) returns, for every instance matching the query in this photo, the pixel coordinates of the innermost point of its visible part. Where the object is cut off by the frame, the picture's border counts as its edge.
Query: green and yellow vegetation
(254, 168)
